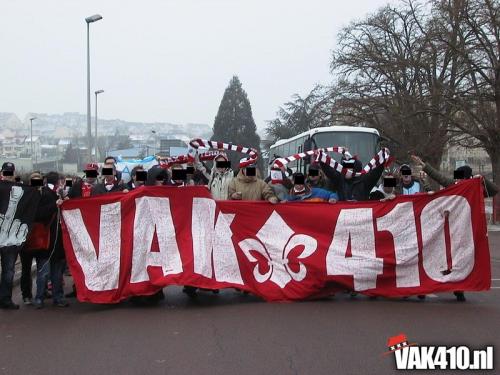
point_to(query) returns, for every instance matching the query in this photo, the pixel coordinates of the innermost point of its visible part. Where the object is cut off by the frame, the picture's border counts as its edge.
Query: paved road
(236, 334)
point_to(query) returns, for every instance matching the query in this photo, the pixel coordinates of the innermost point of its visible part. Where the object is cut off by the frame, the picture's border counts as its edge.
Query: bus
(360, 141)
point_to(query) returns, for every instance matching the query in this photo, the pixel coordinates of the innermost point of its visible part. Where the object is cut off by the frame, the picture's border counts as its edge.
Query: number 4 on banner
(356, 226)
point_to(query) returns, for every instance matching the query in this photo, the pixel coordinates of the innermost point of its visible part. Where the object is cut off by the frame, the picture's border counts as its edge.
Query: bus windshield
(364, 145)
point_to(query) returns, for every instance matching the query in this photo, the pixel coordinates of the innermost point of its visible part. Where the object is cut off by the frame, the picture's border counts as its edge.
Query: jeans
(56, 276)
(42, 276)
(42, 273)
(8, 257)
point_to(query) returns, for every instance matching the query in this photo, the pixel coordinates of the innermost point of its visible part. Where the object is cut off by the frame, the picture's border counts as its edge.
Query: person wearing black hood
(351, 188)
(465, 172)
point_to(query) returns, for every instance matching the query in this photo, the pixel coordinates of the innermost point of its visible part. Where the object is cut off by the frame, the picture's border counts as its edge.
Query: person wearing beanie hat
(386, 190)
(83, 187)
(248, 186)
(465, 170)
(279, 179)
(7, 172)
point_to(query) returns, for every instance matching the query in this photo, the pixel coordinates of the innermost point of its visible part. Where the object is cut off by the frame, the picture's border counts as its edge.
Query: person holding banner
(279, 180)
(303, 192)
(158, 176)
(386, 190)
(138, 178)
(118, 174)
(248, 186)
(316, 178)
(110, 183)
(462, 173)
(83, 188)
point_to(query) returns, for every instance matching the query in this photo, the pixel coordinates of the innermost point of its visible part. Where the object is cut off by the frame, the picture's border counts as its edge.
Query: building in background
(477, 158)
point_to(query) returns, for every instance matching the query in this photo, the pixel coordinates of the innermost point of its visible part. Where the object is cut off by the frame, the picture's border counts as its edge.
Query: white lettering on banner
(213, 241)
(355, 225)
(400, 222)
(152, 214)
(432, 219)
(277, 240)
(101, 271)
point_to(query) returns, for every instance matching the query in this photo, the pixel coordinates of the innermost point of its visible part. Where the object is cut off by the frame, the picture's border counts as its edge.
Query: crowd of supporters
(321, 183)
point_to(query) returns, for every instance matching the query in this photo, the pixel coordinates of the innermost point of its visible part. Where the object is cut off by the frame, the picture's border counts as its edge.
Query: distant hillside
(77, 123)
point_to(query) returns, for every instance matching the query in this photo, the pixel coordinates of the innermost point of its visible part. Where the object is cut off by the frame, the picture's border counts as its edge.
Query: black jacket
(100, 189)
(356, 188)
(47, 213)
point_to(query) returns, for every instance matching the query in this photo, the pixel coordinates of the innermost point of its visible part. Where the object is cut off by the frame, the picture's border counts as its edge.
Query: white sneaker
(27, 301)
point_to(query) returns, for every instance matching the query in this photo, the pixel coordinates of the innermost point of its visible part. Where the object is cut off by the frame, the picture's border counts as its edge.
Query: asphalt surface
(231, 333)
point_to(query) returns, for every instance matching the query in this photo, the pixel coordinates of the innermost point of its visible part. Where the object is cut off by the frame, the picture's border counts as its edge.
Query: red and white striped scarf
(281, 162)
(251, 152)
(321, 156)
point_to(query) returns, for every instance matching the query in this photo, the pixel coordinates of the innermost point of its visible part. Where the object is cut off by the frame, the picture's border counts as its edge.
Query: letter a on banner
(213, 241)
(152, 214)
(101, 271)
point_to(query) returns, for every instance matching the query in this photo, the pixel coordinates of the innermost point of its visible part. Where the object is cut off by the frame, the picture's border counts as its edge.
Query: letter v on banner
(212, 243)
(101, 270)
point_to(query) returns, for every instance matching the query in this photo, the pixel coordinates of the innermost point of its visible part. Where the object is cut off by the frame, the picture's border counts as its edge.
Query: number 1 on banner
(404, 234)
(355, 226)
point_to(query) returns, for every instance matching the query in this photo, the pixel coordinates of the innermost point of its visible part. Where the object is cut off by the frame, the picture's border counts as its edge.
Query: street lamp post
(96, 148)
(155, 148)
(89, 20)
(31, 140)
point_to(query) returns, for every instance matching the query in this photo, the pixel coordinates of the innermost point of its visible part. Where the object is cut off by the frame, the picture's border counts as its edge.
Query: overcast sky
(166, 60)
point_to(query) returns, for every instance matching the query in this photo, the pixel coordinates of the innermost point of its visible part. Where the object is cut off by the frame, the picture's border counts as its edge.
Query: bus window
(362, 144)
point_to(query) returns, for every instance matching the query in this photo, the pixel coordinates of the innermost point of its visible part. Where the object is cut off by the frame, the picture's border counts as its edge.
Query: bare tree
(302, 114)
(477, 47)
(394, 74)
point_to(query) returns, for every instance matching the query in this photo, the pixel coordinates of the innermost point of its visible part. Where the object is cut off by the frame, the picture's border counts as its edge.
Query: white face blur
(406, 179)
(299, 189)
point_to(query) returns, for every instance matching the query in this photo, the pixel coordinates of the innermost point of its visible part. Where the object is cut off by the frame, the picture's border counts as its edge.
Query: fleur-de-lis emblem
(276, 241)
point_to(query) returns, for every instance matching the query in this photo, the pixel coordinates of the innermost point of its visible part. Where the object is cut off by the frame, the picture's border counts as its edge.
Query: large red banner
(120, 245)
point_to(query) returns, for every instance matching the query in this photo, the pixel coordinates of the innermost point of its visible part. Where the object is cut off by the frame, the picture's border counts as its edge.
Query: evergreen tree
(234, 121)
